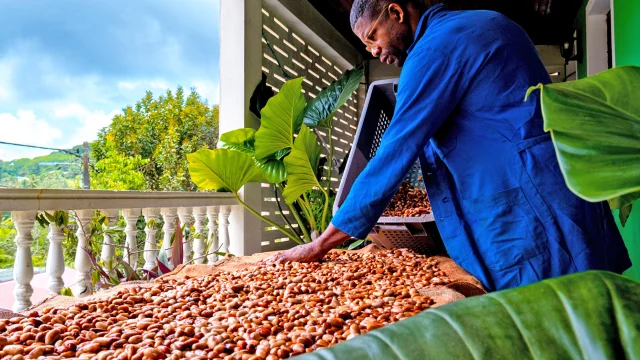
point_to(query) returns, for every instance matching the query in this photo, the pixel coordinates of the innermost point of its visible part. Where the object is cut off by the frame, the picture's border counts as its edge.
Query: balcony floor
(39, 284)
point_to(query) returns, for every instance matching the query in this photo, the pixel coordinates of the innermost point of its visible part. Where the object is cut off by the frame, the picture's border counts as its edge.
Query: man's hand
(303, 253)
(313, 251)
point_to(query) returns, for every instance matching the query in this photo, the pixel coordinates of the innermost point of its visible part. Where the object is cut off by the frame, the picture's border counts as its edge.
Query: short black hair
(368, 8)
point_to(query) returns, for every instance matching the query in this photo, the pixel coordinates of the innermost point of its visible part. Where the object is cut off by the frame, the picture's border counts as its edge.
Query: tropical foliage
(284, 151)
(587, 315)
(58, 170)
(595, 125)
(144, 147)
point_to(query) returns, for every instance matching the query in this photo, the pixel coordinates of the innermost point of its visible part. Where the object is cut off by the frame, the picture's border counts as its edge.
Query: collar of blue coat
(423, 25)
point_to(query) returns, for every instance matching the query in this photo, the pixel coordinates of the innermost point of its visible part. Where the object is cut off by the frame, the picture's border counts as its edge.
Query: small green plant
(66, 292)
(107, 273)
(285, 152)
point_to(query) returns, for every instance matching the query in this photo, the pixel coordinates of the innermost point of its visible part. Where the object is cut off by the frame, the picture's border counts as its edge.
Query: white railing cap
(49, 199)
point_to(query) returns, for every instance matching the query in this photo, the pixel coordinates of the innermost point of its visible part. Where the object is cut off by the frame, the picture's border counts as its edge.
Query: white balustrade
(212, 236)
(184, 214)
(55, 259)
(131, 246)
(83, 263)
(150, 243)
(225, 212)
(191, 208)
(169, 216)
(23, 267)
(108, 247)
(199, 214)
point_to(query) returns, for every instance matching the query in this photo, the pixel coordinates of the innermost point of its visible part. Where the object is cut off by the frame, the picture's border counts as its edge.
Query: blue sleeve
(431, 86)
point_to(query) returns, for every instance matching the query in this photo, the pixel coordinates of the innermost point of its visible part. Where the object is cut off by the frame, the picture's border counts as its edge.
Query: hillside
(58, 170)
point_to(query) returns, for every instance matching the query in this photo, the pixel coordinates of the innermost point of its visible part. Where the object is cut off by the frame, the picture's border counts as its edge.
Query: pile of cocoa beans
(268, 312)
(408, 202)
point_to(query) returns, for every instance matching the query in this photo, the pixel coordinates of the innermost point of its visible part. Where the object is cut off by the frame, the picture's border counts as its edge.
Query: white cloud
(92, 121)
(143, 85)
(208, 90)
(25, 128)
(72, 88)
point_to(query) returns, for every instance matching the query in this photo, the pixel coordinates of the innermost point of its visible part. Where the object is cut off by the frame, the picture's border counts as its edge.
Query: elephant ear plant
(284, 152)
(595, 125)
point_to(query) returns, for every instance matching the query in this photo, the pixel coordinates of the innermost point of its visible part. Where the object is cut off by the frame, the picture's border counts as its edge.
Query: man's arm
(430, 89)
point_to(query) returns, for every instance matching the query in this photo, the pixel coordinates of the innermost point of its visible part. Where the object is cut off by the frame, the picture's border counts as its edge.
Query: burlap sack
(462, 285)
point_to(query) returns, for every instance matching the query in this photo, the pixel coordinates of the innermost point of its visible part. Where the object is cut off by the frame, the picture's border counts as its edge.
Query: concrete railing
(190, 208)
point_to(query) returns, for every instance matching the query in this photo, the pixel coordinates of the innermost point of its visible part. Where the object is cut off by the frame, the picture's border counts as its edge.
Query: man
(500, 201)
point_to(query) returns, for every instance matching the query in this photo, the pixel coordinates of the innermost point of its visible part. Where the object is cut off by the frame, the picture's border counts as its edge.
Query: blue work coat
(500, 201)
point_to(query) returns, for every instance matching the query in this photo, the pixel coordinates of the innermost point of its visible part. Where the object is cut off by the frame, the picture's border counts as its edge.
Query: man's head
(386, 27)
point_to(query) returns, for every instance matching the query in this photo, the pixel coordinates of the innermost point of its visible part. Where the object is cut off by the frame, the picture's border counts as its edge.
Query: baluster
(108, 248)
(198, 243)
(169, 216)
(83, 264)
(131, 250)
(225, 212)
(55, 258)
(150, 243)
(23, 266)
(184, 214)
(212, 214)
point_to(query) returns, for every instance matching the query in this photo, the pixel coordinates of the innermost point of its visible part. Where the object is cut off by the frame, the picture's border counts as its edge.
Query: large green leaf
(241, 139)
(320, 111)
(301, 165)
(624, 203)
(222, 170)
(592, 315)
(281, 118)
(273, 171)
(595, 125)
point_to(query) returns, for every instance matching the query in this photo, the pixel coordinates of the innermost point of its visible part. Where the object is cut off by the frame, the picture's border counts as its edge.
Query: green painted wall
(626, 27)
(626, 24)
(631, 235)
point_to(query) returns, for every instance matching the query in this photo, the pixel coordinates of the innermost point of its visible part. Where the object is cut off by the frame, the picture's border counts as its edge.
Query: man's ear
(396, 12)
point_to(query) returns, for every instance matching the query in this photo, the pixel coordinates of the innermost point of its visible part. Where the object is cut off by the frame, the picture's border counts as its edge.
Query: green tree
(145, 146)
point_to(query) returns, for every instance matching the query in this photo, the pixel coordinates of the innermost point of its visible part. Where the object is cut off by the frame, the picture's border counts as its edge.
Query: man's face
(387, 35)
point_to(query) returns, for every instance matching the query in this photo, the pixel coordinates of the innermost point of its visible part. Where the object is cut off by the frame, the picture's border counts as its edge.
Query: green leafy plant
(66, 292)
(586, 315)
(144, 146)
(107, 273)
(595, 126)
(284, 151)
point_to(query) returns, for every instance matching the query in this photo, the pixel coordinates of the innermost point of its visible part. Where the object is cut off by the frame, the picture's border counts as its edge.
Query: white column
(212, 214)
(596, 28)
(83, 264)
(225, 212)
(150, 243)
(23, 266)
(169, 216)
(241, 57)
(131, 247)
(55, 259)
(198, 242)
(108, 248)
(184, 214)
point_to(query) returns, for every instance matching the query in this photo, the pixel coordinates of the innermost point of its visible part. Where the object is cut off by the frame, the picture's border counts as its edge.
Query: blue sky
(67, 66)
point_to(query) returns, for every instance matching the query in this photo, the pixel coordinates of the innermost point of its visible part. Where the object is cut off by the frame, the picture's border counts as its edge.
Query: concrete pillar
(240, 73)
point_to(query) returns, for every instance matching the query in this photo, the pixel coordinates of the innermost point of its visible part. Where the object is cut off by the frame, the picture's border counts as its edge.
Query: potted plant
(284, 152)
